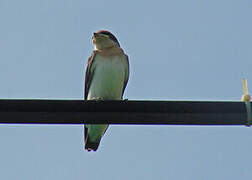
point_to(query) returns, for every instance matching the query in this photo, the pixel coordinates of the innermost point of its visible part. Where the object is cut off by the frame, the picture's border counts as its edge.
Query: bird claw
(97, 99)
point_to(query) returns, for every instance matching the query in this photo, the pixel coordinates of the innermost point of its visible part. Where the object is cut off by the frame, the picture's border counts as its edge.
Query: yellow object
(246, 99)
(245, 95)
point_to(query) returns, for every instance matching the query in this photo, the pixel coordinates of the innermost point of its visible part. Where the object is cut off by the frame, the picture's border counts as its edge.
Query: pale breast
(108, 78)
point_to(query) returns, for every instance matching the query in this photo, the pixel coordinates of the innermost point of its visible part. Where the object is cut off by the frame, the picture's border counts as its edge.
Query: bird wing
(89, 73)
(126, 78)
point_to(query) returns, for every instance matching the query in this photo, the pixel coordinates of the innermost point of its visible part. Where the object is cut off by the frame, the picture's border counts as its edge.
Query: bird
(106, 78)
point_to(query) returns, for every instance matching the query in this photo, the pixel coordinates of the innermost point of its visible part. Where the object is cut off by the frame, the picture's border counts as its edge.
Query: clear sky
(179, 50)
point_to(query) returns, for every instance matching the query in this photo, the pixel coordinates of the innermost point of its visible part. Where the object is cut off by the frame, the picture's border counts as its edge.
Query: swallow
(106, 78)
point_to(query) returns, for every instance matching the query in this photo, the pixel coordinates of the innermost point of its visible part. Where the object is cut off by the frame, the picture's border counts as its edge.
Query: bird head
(104, 39)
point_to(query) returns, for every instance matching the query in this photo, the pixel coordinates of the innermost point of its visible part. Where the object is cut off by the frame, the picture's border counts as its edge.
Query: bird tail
(89, 145)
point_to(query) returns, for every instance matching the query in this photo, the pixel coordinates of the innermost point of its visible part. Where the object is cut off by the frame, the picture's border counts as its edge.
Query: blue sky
(179, 50)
